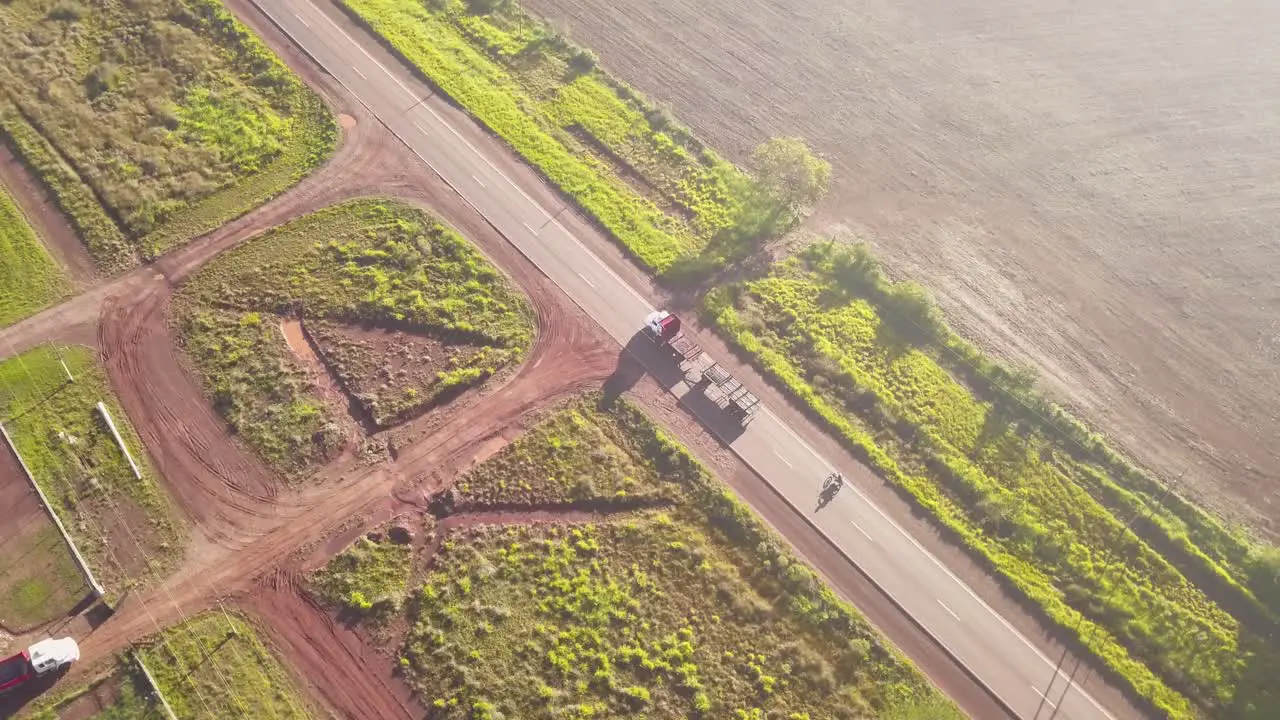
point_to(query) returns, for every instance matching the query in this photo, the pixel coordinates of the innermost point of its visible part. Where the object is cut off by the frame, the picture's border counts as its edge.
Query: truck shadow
(712, 416)
(642, 357)
(13, 702)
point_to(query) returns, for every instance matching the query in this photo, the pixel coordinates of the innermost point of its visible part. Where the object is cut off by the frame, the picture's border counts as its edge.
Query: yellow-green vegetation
(213, 667)
(152, 121)
(39, 581)
(693, 610)
(363, 264)
(650, 183)
(70, 451)
(1005, 481)
(133, 701)
(371, 576)
(30, 279)
(577, 463)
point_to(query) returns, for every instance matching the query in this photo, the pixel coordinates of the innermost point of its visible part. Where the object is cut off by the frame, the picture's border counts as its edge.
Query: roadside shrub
(582, 61)
(67, 11)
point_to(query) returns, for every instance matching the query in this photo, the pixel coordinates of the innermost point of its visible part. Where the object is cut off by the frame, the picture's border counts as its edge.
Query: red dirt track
(340, 667)
(250, 531)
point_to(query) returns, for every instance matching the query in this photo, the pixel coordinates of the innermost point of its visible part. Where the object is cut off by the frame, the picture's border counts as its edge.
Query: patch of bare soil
(376, 364)
(1084, 186)
(354, 678)
(100, 697)
(323, 384)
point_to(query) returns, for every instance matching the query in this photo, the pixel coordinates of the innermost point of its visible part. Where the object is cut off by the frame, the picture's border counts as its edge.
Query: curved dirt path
(245, 526)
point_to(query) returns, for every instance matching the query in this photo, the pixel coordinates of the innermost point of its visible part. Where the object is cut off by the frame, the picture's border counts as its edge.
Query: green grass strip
(311, 138)
(77, 463)
(30, 279)
(1023, 576)
(214, 667)
(436, 49)
(107, 245)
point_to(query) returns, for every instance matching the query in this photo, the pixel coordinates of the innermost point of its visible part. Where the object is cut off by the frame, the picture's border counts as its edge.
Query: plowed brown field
(1089, 186)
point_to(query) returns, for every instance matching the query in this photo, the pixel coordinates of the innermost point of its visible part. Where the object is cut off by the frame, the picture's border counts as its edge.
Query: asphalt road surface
(1005, 661)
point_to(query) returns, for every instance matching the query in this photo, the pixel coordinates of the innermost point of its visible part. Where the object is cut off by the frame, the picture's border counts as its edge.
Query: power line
(208, 588)
(110, 551)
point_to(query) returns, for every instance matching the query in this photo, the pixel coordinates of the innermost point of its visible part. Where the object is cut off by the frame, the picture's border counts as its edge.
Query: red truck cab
(41, 658)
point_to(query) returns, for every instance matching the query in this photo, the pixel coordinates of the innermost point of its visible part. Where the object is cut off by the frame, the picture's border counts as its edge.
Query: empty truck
(727, 392)
(42, 658)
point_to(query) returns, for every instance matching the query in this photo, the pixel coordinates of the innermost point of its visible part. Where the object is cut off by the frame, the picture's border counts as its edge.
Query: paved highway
(971, 631)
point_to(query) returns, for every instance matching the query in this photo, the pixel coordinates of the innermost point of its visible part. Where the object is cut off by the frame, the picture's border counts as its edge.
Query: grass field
(30, 279)
(1010, 483)
(152, 121)
(68, 448)
(213, 666)
(648, 181)
(370, 576)
(689, 608)
(39, 581)
(361, 267)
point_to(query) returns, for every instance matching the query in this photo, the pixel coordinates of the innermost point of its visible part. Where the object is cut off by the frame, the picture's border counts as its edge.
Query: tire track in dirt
(352, 677)
(219, 485)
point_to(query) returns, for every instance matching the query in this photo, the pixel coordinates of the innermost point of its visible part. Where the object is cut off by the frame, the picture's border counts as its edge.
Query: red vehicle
(42, 658)
(664, 329)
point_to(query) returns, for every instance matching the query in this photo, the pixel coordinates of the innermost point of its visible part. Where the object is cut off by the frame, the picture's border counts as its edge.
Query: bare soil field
(1083, 186)
(38, 580)
(244, 523)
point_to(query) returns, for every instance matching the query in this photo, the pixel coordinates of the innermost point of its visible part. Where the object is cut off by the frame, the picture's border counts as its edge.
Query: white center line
(858, 527)
(1046, 698)
(585, 280)
(362, 77)
(304, 22)
(944, 607)
(784, 460)
(577, 244)
(530, 228)
(478, 181)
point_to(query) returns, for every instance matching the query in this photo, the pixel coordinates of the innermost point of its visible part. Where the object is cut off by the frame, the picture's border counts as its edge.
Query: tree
(790, 176)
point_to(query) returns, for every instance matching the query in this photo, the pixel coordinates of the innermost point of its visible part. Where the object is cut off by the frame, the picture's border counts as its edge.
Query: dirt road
(245, 521)
(1086, 186)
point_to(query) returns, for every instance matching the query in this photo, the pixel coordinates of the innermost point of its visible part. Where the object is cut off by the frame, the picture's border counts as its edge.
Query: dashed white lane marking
(949, 610)
(530, 228)
(627, 287)
(305, 24)
(1046, 698)
(585, 280)
(478, 181)
(865, 534)
(362, 77)
(420, 128)
(784, 460)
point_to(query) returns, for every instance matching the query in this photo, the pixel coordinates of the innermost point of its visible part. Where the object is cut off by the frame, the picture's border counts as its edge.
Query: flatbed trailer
(664, 329)
(730, 394)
